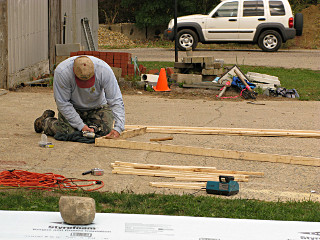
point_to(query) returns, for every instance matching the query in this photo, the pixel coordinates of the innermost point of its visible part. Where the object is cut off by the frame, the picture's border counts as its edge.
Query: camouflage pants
(100, 117)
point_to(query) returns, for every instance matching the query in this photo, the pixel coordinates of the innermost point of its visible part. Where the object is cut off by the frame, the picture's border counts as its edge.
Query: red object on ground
(162, 84)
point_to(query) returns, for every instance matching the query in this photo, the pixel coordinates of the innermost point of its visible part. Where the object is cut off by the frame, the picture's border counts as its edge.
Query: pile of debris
(112, 39)
(209, 73)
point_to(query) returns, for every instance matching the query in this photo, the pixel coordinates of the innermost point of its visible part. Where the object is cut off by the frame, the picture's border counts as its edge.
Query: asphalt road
(309, 59)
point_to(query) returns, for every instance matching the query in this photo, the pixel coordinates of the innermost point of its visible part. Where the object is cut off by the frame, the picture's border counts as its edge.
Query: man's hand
(113, 134)
(86, 128)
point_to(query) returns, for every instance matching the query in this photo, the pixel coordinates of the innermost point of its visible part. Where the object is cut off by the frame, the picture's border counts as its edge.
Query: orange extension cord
(45, 181)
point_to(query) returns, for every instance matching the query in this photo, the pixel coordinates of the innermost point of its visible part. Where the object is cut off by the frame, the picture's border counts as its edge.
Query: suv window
(253, 8)
(276, 8)
(229, 9)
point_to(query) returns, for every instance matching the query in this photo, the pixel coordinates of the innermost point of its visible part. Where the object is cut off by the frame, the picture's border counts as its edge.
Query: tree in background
(152, 13)
(111, 12)
(298, 5)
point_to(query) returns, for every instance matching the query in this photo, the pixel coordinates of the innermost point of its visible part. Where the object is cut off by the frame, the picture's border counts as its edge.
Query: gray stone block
(197, 59)
(117, 72)
(187, 60)
(183, 65)
(77, 210)
(66, 49)
(218, 65)
(208, 60)
(208, 72)
(188, 78)
(212, 71)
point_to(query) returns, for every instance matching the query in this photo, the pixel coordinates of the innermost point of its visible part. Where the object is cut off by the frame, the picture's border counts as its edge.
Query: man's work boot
(39, 122)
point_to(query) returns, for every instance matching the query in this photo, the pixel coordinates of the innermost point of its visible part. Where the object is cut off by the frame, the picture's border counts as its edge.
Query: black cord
(197, 191)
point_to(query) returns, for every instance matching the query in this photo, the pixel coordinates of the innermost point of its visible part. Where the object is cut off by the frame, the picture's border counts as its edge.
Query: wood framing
(208, 152)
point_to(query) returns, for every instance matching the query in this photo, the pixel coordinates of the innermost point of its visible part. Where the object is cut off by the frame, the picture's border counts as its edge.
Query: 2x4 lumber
(163, 167)
(205, 179)
(229, 131)
(208, 152)
(171, 174)
(174, 173)
(129, 133)
(185, 168)
(191, 186)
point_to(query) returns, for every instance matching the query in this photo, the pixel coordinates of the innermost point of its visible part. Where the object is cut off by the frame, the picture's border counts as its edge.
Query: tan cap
(83, 69)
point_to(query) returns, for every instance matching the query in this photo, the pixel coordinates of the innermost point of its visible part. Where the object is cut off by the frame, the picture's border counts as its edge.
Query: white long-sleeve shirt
(69, 96)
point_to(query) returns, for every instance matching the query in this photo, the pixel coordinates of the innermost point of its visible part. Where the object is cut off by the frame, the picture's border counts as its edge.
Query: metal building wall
(27, 39)
(3, 44)
(29, 47)
(75, 11)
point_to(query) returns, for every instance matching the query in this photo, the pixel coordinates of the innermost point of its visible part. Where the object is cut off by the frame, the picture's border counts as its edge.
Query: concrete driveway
(19, 147)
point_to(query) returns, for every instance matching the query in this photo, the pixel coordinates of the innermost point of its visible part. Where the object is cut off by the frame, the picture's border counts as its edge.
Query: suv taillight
(291, 22)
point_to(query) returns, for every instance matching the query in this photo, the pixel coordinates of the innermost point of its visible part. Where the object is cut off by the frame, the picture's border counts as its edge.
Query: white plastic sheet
(111, 226)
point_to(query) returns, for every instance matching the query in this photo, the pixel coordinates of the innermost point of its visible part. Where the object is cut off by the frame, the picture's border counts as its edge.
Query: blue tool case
(226, 186)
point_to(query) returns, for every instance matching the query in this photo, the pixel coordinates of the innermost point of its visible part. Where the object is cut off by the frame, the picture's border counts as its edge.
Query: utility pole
(175, 30)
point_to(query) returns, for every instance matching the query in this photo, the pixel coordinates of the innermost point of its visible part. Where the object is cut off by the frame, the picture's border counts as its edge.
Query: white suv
(269, 23)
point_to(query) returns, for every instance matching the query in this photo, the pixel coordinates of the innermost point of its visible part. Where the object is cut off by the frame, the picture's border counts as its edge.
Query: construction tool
(95, 172)
(252, 94)
(226, 186)
(88, 134)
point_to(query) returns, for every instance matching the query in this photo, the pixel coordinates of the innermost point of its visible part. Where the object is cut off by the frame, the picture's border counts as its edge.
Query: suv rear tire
(298, 23)
(270, 41)
(187, 38)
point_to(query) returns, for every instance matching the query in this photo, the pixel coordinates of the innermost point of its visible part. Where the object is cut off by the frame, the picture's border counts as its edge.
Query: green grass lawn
(157, 204)
(305, 81)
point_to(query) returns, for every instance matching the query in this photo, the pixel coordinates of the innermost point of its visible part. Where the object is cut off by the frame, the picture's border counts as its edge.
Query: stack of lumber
(197, 175)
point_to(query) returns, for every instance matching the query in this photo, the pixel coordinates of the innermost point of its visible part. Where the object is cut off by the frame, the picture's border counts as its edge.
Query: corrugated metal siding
(27, 33)
(77, 10)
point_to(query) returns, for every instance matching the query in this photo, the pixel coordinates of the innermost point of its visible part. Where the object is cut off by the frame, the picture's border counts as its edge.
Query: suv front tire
(270, 41)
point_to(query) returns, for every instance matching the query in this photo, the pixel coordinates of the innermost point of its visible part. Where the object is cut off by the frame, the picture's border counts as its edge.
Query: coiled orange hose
(45, 181)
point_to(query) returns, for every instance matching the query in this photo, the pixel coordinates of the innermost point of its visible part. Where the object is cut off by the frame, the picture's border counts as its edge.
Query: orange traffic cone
(162, 84)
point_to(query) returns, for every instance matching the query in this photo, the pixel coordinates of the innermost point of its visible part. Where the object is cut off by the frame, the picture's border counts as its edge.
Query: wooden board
(178, 185)
(129, 133)
(209, 152)
(205, 179)
(229, 131)
(171, 174)
(184, 168)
